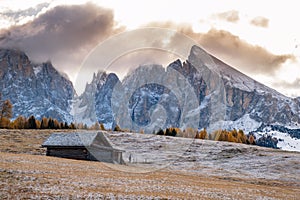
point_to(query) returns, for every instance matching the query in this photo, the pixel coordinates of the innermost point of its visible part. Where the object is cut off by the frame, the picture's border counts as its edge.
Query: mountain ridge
(41, 90)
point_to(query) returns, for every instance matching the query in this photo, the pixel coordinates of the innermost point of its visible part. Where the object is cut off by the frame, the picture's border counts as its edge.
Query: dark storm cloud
(230, 16)
(230, 48)
(64, 34)
(260, 21)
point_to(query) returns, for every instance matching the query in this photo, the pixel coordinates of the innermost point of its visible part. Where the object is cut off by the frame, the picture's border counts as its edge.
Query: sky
(259, 38)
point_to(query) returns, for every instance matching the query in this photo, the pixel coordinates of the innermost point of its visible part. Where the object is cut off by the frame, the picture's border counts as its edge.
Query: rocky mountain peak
(94, 104)
(34, 89)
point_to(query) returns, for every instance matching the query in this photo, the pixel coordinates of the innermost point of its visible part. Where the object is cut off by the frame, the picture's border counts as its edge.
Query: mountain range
(201, 92)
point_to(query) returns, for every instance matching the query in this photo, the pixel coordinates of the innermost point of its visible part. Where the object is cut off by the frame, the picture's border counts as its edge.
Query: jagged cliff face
(200, 89)
(34, 89)
(245, 96)
(94, 105)
(267, 108)
(153, 97)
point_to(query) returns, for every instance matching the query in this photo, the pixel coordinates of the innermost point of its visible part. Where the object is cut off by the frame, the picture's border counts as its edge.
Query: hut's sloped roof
(77, 139)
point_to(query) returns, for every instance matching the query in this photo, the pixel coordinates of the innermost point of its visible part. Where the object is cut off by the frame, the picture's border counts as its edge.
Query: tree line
(237, 136)
(31, 122)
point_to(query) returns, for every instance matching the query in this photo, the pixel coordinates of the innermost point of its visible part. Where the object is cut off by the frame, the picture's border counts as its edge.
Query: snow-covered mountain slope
(95, 102)
(34, 89)
(247, 96)
(284, 138)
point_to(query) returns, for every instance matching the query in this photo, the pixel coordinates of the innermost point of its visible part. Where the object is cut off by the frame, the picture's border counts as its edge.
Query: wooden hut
(83, 146)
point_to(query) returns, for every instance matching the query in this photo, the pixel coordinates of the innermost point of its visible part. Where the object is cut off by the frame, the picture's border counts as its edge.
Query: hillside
(207, 170)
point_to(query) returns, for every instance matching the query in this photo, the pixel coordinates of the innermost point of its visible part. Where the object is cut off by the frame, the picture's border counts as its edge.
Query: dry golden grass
(32, 176)
(25, 141)
(23, 176)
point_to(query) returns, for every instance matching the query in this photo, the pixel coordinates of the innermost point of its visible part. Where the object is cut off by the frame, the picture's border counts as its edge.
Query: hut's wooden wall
(81, 153)
(74, 153)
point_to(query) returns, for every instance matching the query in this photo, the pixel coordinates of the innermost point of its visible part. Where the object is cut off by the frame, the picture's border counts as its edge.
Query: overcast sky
(259, 38)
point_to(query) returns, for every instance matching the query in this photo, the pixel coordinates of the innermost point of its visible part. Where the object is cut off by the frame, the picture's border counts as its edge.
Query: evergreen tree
(160, 132)
(50, 123)
(31, 122)
(168, 132)
(66, 126)
(174, 132)
(117, 128)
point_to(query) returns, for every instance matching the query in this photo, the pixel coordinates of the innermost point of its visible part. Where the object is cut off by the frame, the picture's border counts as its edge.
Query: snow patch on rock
(37, 70)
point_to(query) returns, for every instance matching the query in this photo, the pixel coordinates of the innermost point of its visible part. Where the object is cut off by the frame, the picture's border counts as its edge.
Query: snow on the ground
(285, 141)
(244, 123)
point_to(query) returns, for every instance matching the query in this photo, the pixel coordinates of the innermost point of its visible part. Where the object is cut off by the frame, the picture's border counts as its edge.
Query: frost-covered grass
(176, 168)
(204, 156)
(34, 176)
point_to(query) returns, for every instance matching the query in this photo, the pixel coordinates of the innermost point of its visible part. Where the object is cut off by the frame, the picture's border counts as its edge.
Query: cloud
(288, 85)
(260, 22)
(287, 88)
(230, 48)
(17, 16)
(64, 34)
(230, 16)
(132, 60)
(250, 58)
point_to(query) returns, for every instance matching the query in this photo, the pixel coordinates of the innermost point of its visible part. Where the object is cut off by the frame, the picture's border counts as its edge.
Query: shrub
(160, 132)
